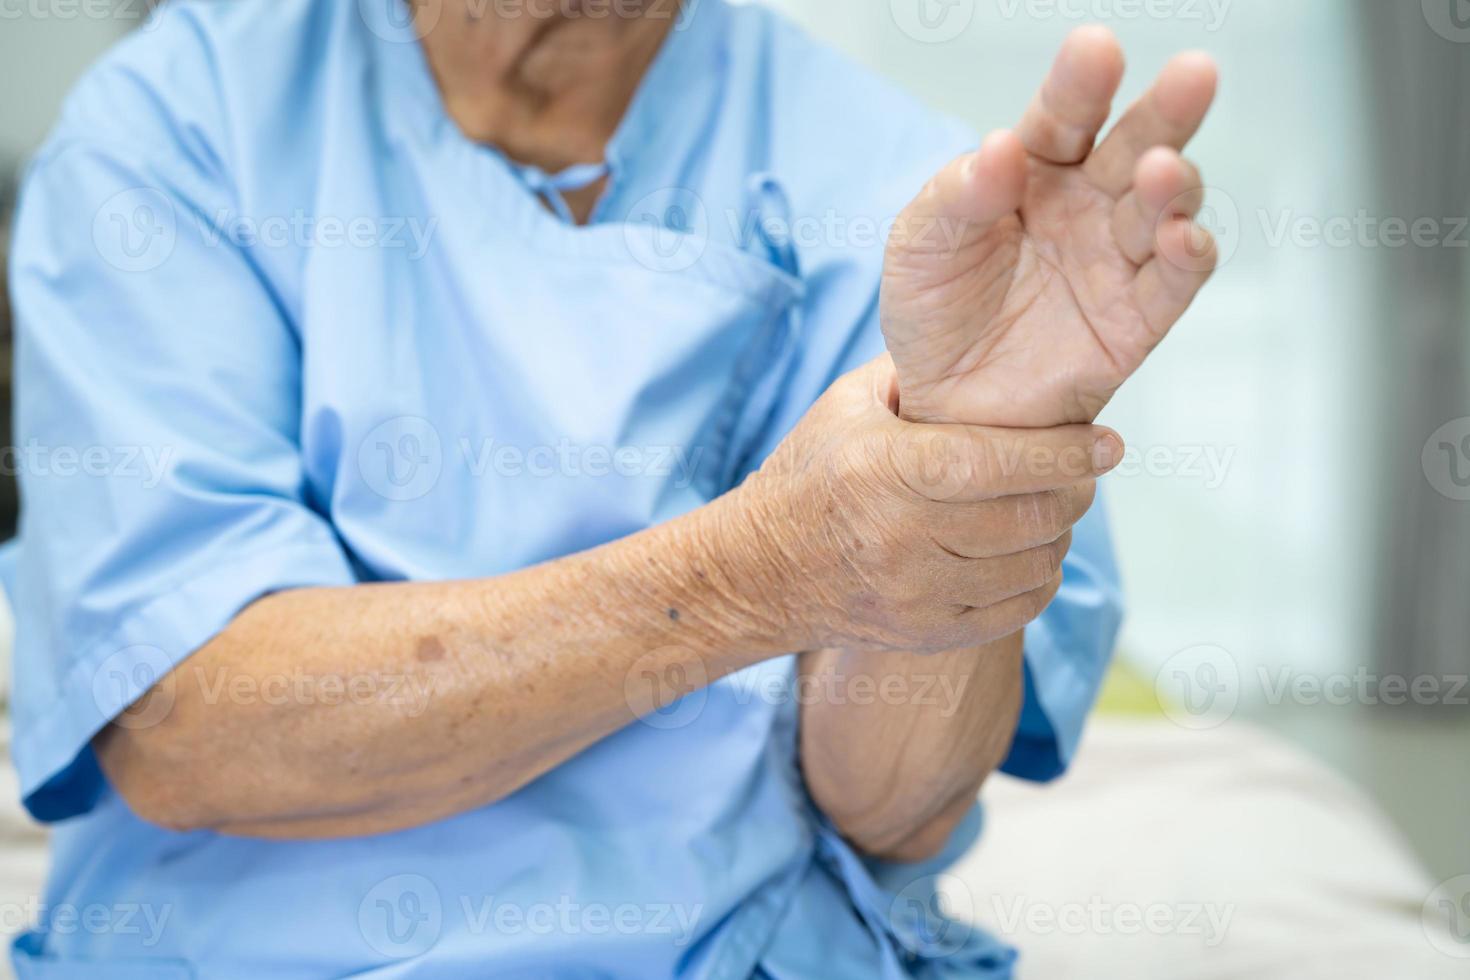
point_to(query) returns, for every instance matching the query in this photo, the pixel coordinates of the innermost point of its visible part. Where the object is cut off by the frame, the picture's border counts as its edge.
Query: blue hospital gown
(282, 325)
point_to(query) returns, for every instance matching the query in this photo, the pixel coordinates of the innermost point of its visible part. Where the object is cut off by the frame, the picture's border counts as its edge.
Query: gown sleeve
(158, 415)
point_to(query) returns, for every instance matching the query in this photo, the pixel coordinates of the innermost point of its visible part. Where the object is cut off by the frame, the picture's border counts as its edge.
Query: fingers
(986, 583)
(1167, 284)
(1003, 618)
(1168, 114)
(958, 463)
(973, 192)
(1008, 525)
(1165, 185)
(1063, 119)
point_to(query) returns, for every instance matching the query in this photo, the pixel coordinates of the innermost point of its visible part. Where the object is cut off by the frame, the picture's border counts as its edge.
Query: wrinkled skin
(1075, 260)
(886, 535)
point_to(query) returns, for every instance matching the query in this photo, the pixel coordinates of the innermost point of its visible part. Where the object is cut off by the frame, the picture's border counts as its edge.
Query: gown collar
(678, 95)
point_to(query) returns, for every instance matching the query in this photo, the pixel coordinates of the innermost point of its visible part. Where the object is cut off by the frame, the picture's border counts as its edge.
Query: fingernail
(1106, 452)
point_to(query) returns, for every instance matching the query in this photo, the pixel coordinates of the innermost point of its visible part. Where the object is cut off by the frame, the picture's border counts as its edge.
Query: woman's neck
(545, 81)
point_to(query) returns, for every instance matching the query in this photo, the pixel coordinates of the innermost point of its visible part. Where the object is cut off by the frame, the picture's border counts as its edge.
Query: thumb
(965, 199)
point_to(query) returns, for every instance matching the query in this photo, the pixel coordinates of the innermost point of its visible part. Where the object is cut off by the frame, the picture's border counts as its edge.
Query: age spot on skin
(674, 615)
(430, 649)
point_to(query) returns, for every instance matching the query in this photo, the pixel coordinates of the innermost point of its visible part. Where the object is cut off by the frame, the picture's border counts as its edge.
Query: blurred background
(1293, 524)
(1293, 520)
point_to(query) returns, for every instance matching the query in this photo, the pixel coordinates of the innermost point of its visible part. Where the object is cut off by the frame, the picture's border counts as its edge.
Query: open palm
(1075, 258)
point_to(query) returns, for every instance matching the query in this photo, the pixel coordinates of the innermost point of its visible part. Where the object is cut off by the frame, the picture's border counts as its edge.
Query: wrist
(755, 576)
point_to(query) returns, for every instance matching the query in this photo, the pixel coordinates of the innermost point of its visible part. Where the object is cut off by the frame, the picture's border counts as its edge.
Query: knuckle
(936, 465)
(1038, 599)
(1083, 495)
(1059, 550)
(1202, 244)
(1042, 566)
(1051, 513)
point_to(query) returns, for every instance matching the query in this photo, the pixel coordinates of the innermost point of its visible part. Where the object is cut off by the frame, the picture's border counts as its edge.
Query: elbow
(160, 785)
(911, 844)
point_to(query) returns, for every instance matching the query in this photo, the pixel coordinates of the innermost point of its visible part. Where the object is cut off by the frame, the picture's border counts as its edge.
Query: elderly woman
(497, 542)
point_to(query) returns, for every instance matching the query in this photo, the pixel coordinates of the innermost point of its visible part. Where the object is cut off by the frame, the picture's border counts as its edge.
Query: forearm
(895, 748)
(412, 702)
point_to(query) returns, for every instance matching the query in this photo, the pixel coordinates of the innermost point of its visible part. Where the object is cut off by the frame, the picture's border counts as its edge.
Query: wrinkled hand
(876, 534)
(1075, 260)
